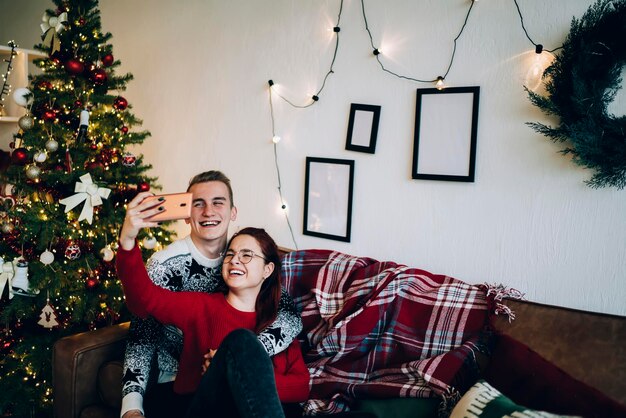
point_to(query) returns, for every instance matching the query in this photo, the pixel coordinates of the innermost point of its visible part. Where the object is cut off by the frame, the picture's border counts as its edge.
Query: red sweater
(205, 319)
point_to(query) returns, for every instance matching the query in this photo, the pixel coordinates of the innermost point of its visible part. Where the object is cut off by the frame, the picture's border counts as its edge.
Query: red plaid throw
(380, 330)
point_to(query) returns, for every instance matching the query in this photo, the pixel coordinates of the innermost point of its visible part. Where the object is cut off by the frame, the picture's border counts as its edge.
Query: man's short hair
(213, 175)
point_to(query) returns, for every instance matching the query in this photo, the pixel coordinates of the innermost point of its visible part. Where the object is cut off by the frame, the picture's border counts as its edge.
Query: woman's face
(239, 275)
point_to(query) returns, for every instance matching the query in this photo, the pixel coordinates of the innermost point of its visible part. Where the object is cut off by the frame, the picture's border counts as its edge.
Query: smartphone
(175, 206)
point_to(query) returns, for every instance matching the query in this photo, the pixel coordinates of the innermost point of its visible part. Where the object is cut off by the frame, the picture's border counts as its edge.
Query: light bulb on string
(276, 139)
(536, 64)
(439, 84)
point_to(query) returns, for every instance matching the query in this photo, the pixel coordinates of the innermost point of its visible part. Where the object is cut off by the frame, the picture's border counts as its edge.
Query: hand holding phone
(175, 206)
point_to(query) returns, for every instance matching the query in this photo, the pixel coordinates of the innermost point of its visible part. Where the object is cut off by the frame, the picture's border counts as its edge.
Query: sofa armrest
(76, 360)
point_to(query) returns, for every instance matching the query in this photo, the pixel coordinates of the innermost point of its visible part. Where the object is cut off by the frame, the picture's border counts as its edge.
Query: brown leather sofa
(549, 358)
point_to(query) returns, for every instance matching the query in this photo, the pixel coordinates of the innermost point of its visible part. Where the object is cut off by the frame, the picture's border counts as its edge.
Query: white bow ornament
(88, 192)
(50, 27)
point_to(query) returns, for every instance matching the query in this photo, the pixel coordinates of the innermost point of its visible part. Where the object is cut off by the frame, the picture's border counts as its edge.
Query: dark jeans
(162, 402)
(239, 382)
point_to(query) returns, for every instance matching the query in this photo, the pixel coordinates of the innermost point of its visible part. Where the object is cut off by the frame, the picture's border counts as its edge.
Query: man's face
(211, 211)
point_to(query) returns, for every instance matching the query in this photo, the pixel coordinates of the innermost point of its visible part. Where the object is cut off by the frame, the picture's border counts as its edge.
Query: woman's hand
(137, 212)
(207, 360)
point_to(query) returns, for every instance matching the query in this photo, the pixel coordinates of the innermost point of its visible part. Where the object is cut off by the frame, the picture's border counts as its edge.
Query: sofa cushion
(529, 379)
(487, 402)
(110, 384)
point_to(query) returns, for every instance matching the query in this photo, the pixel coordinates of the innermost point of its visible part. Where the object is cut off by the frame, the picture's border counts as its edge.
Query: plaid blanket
(380, 330)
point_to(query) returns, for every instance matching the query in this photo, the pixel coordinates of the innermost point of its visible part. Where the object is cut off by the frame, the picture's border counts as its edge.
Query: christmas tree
(63, 198)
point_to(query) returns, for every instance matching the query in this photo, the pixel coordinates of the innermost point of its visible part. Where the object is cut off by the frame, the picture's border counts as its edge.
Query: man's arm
(284, 329)
(140, 352)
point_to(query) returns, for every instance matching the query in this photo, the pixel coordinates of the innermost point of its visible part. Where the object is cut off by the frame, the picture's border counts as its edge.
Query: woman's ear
(268, 270)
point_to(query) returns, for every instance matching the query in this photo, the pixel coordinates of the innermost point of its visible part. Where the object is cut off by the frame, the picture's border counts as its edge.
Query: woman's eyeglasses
(245, 256)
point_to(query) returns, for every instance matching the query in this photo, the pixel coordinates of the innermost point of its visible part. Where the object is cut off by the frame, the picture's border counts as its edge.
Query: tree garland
(581, 82)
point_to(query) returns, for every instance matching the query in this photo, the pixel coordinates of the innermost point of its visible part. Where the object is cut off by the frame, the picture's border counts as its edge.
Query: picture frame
(328, 191)
(363, 128)
(446, 124)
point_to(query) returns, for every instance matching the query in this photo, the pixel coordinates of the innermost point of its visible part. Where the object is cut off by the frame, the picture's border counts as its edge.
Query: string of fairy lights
(377, 52)
(6, 87)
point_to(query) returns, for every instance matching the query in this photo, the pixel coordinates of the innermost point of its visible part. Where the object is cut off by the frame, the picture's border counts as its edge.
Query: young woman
(241, 379)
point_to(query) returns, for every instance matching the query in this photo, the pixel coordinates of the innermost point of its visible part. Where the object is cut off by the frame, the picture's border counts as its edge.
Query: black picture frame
(446, 124)
(363, 128)
(328, 191)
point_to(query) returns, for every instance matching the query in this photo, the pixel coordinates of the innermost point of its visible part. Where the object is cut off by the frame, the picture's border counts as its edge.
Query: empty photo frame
(328, 198)
(363, 128)
(444, 146)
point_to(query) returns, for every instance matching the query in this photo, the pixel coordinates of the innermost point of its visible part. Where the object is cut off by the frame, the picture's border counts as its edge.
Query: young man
(189, 264)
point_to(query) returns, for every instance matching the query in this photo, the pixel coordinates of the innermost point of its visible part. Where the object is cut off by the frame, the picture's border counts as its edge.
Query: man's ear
(233, 213)
(268, 270)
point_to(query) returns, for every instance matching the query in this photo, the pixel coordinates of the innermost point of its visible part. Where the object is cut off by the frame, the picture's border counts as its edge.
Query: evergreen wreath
(581, 82)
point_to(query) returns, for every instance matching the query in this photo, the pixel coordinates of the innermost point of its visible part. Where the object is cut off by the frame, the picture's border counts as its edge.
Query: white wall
(201, 69)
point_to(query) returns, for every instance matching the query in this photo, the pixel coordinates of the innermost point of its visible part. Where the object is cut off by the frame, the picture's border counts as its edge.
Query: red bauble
(124, 129)
(120, 103)
(44, 85)
(78, 104)
(19, 156)
(99, 76)
(107, 60)
(143, 186)
(49, 115)
(92, 282)
(94, 165)
(74, 66)
(81, 21)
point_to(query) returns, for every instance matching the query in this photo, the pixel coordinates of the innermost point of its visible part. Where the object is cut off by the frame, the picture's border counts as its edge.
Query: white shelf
(22, 66)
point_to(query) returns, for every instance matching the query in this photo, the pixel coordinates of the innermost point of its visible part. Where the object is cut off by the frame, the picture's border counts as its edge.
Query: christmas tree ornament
(94, 165)
(20, 285)
(98, 76)
(107, 253)
(46, 258)
(107, 60)
(49, 115)
(88, 192)
(128, 159)
(26, 122)
(33, 172)
(19, 156)
(68, 161)
(143, 186)
(6, 227)
(92, 281)
(23, 97)
(83, 126)
(51, 26)
(72, 252)
(6, 274)
(40, 156)
(124, 129)
(81, 21)
(74, 66)
(48, 316)
(52, 145)
(120, 103)
(149, 242)
(44, 85)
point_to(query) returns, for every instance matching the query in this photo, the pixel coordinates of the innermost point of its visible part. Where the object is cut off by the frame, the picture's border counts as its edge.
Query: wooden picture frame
(328, 191)
(363, 128)
(444, 145)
